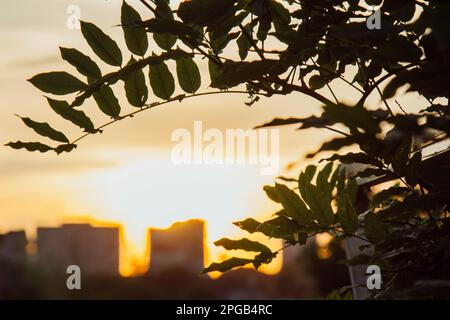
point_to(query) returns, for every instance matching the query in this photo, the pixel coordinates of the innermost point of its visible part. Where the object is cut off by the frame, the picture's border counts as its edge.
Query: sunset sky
(125, 175)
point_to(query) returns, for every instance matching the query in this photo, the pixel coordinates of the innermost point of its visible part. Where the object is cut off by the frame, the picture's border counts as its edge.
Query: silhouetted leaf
(318, 202)
(279, 227)
(65, 148)
(322, 180)
(294, 206)
(335, 145)
(135, 88)
(280, 122)
(352, 117)
(374, 228)
(162, 81)
(244, 45)
(412, 171)
(242, 244)
(186, 32)
(135, 38)
(103, 46)
(317, 82)
(387, 194)
(165, 40)
(57, 82)
(81, 62)
(107, 101)
(203, 12)
(214, 70)
(265, 257)
(235, 73)
(77, 117)
(30, 146)
(45, 130)
(227, 265)
(359, 157)
(346, 214)
(188, 75)
(271, 193)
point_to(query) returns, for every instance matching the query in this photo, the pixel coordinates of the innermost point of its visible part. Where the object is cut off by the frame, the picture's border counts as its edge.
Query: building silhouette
(13, 246)
(180, 246)
(94, 249)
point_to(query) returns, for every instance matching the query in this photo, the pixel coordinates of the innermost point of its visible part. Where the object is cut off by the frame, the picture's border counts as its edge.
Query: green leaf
(271, 192)
(280, 122)
(279, 227)
(204, 12)
(322, 179)
(244, 45)
(236, 73)
(77, 117)
(352, 117)
(225, 25)
(401, 155)
(359, 157)
(347, 216)
(242, 244)
(214, 70)
(310, 171)
(374, 229)
(226, 265)
(318, 202)
(412, 171)
(307, 176)
(65, 148)
(370, 172)
(317, 82)
(81, 62)
(387, 194)
(188, 75)
(107, 101)
(135, 37)
(165, 40)
(220, 43)
(294, 206)
(162, 81)
(163, 10)
(30, 146)
(57, 82)
(173, 27)
(45, 130)
(103, 46)
(265, 257)
(135, 87)
(351, 188)
(279, 12)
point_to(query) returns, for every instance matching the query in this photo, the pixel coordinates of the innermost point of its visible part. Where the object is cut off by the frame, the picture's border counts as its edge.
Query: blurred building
(180, 246)
(13, 246)
(95, 250)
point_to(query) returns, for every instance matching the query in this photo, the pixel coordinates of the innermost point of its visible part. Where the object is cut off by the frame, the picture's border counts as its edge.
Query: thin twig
(151, 106)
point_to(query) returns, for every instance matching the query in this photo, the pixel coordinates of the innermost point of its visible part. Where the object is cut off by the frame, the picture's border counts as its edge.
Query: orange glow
(323, 241)
(134, 261)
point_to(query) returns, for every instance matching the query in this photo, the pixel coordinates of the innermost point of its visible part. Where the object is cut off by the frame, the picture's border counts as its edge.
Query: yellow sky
(125, 175)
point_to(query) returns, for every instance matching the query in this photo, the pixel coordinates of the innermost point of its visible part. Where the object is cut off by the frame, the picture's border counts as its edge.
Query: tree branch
(154, 105)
